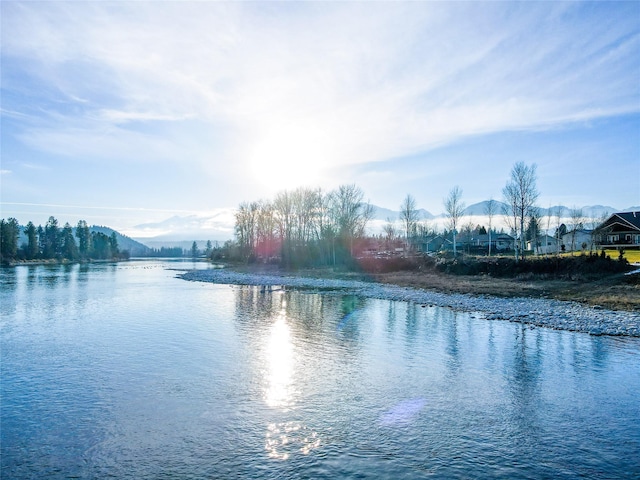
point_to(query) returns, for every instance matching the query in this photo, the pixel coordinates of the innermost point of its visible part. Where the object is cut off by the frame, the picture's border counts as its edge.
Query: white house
(577, 241)
(544, 244)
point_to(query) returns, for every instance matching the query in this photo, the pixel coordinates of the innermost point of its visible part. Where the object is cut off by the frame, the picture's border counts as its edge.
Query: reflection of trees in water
(391, 317)
(313, 318)
(452, 345)
(523, 377)
(411, 321)
(599, 352)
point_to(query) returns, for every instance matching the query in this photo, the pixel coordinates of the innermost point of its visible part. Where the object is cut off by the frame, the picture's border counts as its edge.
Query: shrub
(559, 267)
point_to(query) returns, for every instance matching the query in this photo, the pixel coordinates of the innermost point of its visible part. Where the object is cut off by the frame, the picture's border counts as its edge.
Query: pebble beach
(546, 313)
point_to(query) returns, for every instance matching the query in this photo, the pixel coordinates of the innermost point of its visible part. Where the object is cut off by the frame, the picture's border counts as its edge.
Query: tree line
(54, 242)
(311, 227)
(304, 227)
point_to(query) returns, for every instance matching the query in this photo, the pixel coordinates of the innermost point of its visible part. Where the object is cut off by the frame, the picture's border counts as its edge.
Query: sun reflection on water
(284, 439)
(279, 356)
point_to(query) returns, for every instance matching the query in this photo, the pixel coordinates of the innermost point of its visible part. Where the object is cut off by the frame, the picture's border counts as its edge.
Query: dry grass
(617, 292)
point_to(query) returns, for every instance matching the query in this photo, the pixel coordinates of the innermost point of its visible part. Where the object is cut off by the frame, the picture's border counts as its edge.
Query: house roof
(621, 222)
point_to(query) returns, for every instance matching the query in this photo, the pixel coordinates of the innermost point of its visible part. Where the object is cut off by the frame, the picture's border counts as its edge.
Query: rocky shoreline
(547, 313)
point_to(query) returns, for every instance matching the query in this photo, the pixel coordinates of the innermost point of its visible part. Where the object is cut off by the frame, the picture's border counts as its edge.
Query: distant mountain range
(592, 211)
(218, 226)
(480, 209)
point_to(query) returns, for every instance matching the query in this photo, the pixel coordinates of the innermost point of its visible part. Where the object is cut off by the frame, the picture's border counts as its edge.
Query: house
(544, 244)
(500, 242)
(479, 243)
(576, 240)
(620, 230)
(429, 243)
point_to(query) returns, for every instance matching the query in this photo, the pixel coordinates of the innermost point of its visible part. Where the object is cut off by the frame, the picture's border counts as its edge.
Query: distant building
(543, 245)
(479, 242)
(580, 240)
(500, 242)
(620, 230)
(431, 243)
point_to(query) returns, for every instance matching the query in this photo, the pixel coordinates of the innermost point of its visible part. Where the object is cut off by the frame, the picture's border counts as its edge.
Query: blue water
(125, 371)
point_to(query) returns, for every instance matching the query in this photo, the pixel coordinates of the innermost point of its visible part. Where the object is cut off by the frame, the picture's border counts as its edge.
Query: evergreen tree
(101, 246)
(32, 238)
(84, 239)
(9, 230)
(194, 249)
(113, 244)
(52, 247)
(41, 241)
(69, 249)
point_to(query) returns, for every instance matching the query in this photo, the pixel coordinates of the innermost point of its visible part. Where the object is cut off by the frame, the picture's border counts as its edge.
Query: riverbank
(543, 312)
(613, 292)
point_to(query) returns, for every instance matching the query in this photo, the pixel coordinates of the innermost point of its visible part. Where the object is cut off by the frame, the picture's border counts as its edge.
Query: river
(127, 371)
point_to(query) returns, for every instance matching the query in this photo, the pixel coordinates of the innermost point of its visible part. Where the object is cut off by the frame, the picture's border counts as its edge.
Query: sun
(289, 157)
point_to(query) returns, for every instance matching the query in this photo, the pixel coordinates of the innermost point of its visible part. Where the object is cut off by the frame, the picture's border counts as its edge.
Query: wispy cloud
(326, 83)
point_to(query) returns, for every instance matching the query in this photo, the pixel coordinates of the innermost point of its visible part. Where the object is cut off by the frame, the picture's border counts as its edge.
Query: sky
(129, 112)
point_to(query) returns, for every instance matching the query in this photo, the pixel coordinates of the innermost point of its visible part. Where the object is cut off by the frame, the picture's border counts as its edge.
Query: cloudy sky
(127, 112)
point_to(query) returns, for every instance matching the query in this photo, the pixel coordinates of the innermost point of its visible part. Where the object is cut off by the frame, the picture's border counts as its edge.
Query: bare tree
(490, 209)
(245, 226)
(389, 230)
(454, 206)
(521, 195)
(577, 218)
(558, 216)
(409, 217)
(266, 230)
(350, 213)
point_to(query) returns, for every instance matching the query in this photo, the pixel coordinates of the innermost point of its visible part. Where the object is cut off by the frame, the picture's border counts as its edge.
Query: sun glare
(290, 157)
(279, 356)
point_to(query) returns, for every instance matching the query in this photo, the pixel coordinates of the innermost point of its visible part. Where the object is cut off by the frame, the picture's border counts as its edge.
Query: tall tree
(284, 213)
(350, 214)
(246, 221)
(454, 206)
(100, 246)
(558, 217)
(409, 217)
(266, 230)
(113, 245)
(51, 239)
(577, 218)
(521, 194)
(389, 230)
(194, 249)
(533, 231)
(32, 241)
(84, 238)
(490, 209)
(9, 231)
(69, 248)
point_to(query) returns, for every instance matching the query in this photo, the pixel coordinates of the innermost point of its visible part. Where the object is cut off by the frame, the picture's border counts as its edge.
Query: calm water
(124, 371)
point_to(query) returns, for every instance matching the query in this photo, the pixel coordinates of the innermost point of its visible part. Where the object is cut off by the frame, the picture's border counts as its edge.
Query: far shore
(63, 261)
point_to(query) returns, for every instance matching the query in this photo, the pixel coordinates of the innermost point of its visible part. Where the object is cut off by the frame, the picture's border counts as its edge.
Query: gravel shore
(540, 312)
